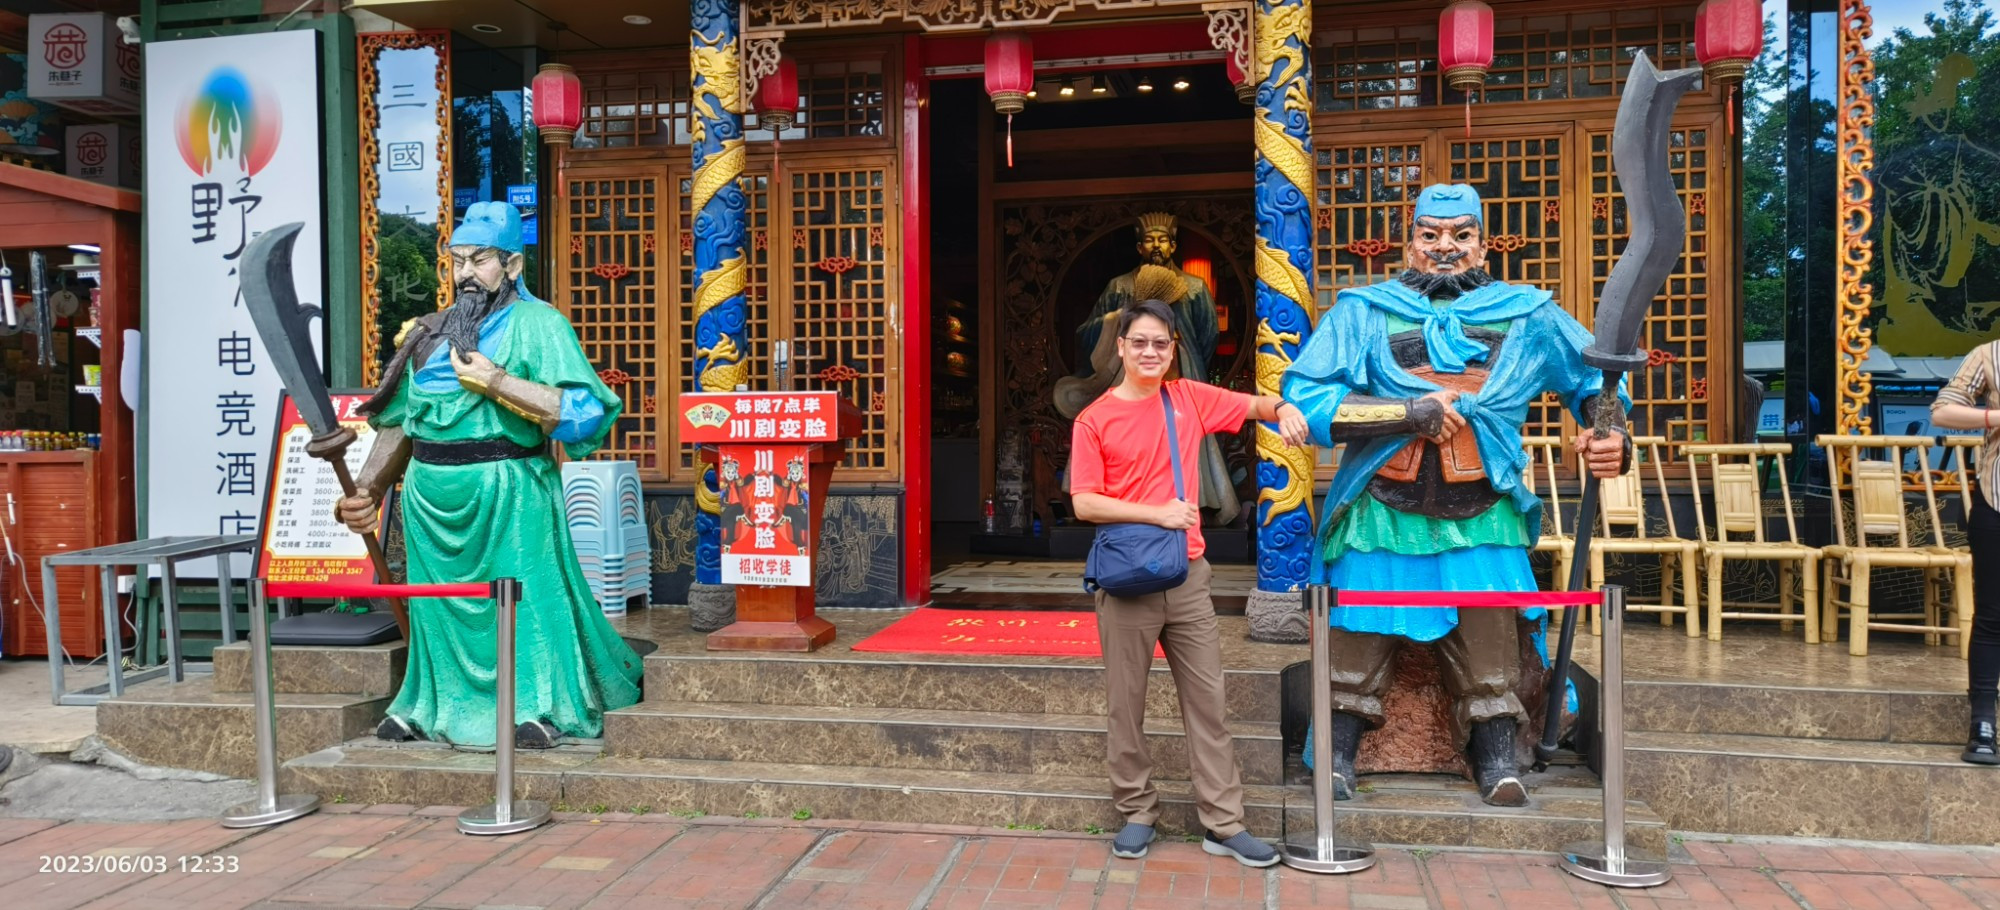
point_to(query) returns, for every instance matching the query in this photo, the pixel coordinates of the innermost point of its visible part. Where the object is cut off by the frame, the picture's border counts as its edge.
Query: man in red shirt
(1121, 471)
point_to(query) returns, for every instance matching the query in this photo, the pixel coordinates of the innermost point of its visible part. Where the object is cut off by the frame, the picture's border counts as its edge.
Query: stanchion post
(506, 815)
(1326, 852)
(1612, 863)
(269, 808)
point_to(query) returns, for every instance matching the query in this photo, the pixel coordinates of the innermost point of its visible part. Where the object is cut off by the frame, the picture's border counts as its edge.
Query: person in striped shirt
(1971, 401)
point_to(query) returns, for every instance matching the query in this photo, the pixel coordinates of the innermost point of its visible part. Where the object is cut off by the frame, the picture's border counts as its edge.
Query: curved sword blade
(284, 325)
(1640, 141)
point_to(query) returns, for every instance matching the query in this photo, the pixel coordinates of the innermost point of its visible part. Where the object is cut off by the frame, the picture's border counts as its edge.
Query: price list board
(302, 541)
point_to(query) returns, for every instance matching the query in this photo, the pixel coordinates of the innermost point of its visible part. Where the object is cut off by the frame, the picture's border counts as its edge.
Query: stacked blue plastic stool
(608, 526)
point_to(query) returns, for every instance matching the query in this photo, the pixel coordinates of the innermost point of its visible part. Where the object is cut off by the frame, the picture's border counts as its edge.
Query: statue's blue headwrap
(494, 224)
(1448, 201)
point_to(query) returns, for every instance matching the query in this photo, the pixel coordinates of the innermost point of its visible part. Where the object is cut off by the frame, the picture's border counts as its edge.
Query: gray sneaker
(1247, 849)
(1132, 841)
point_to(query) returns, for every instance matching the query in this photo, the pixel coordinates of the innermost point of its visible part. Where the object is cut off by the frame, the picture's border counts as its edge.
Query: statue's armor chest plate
(1428, 479)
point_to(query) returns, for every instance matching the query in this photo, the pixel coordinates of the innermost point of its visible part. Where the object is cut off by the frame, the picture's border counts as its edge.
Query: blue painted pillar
(719, 262)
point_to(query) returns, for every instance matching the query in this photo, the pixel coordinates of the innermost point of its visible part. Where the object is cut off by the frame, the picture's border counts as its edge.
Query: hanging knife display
(45, 322)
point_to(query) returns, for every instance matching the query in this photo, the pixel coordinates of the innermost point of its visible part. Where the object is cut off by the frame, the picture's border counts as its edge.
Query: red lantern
(1246, 91)
(1728, 36)
(778, 96)
(558, 103)
(1010, 75)
(1465, 44)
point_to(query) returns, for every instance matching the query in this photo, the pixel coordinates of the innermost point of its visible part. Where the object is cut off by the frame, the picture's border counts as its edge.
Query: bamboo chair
(1622, 504)
(1873, 508)
(1544, 453)
(1739, 510)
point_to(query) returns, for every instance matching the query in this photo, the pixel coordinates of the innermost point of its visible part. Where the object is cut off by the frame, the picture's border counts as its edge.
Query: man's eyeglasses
(1156, 344)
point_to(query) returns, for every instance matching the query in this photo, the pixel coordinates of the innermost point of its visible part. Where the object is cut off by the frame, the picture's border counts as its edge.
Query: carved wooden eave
(941, 16)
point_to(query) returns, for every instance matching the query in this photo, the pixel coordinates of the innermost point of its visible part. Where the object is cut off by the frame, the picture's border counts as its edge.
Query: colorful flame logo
(230, 117)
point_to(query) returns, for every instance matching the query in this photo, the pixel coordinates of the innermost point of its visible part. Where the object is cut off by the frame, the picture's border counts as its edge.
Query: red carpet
(932, 630)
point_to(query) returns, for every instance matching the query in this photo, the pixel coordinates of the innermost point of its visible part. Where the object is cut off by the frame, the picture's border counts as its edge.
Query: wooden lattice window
(611, 276)
(840, 302)
(1552, 57)
(1671, 396)
(624, 109)
(1364, 193)
(1542, 57)
(1371, 69)
(842, 98)
(757, 242)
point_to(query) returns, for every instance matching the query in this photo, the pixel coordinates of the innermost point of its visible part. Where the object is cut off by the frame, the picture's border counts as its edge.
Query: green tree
(406, 281)
(1764, 249)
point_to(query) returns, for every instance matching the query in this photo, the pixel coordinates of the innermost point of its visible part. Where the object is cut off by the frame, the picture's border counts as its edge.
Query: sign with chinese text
(720, 417)
(766, 515)
(80, 61)
(232, 150)
(302, 541)
(105, 153)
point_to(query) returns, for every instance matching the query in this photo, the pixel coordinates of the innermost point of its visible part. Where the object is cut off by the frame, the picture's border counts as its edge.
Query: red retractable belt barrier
(360, 589)
(1466, 598)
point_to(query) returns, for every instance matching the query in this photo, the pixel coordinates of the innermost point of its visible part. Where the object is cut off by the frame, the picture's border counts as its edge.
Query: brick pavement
(408, 857)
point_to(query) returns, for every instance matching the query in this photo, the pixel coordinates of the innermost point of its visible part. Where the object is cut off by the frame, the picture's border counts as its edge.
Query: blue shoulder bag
(1136, 559)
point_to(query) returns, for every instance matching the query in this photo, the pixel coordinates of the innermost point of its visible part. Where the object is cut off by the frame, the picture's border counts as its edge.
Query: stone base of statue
(1417, 735)
(710, 607)
(1277, 616)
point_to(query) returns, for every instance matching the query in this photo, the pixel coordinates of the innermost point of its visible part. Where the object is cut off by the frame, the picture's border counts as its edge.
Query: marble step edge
(201, 692)
(1838, 751)
(536, 770)
(317, 669)
(1860, 715)
(971, 720)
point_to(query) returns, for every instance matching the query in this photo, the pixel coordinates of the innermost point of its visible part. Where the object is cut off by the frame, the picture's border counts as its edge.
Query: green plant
(597, 808)
(640, 810)
(1093, 829)
(689, 813)
(1364, 788)
(752, 815)
(339, 798)
(1027, 826)
(1422, 854)
(802, 815)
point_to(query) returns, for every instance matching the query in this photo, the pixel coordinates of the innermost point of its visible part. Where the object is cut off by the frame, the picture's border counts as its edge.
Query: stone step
(1049, 686)
(191, 725)
(1419, 810)
(915, 739)
(298, 670)
(1797, 786)
(1866, 715)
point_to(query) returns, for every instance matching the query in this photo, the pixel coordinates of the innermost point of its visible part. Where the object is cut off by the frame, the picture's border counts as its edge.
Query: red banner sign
(766, 510)
(779, 417)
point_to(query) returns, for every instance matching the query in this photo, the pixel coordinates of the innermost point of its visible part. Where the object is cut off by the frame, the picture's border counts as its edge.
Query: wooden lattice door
(608, 284)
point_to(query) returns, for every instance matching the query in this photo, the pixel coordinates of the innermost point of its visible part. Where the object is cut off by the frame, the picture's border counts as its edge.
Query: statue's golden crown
(1158, 221)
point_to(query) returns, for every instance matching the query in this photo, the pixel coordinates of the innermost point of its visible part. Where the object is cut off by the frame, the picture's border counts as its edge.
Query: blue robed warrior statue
(1428, 378)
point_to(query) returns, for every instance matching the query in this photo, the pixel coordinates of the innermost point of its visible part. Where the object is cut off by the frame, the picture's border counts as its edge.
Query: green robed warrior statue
(467, 410)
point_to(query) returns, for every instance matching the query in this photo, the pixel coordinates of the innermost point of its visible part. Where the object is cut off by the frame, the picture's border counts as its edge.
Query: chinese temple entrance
(1022, 256)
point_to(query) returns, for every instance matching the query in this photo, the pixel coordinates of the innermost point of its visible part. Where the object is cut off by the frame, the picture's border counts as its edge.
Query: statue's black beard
(1445, 285)
(473, 305)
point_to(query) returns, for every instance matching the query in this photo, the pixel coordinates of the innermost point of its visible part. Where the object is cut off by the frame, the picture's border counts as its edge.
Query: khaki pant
(1183, 622)
(1479, 660)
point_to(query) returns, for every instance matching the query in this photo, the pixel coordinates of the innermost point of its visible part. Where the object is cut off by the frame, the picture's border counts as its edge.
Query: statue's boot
(1493, 762)
(1346, 731)
(396, 730)
(536, 734)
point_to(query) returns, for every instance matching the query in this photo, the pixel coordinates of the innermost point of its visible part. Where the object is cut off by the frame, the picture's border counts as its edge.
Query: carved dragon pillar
(1281, 33)
(719, 262)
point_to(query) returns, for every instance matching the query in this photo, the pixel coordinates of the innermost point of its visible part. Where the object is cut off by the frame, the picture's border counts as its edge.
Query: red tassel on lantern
(1010, 74)
(1728, 36)
(558, 98)
(1465, 48)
